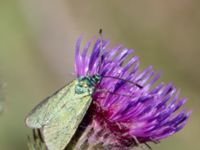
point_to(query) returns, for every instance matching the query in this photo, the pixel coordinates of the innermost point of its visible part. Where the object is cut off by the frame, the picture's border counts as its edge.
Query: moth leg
(155, 141)
(136, 141)
(147, 145)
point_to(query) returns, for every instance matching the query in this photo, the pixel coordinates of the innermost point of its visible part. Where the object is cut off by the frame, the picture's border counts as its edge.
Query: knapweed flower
(128, 107)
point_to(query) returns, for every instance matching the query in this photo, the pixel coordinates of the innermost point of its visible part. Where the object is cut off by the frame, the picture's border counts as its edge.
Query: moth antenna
(101, 47)
(136, 84)
(111, 92)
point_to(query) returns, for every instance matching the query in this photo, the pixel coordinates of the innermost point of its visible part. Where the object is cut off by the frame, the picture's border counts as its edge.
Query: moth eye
(85, 85)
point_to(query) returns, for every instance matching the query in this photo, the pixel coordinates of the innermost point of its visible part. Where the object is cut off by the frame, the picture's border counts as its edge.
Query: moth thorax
(87, 84)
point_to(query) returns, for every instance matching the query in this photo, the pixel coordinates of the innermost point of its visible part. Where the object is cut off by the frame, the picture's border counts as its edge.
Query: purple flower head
(124, 113)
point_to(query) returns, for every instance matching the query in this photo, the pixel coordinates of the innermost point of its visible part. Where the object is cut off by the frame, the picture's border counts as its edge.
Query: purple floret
(123, 111)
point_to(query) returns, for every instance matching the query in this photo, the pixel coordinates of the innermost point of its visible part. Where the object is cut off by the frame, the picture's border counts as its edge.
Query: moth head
(86, 84)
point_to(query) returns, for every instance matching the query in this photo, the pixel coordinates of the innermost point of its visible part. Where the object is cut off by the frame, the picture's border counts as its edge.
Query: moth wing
(60, 130)
(47, 109)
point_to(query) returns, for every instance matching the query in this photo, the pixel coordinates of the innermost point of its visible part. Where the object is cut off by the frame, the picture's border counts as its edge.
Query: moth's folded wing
(61, 129)
(47, 109)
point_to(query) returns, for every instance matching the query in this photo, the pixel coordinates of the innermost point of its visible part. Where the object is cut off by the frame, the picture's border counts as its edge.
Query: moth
(59, 115)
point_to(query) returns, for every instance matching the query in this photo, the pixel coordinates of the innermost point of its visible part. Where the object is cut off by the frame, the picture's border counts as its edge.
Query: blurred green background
(37, 40)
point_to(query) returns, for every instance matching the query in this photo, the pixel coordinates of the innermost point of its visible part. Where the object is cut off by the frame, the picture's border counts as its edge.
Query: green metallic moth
(59, 115)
